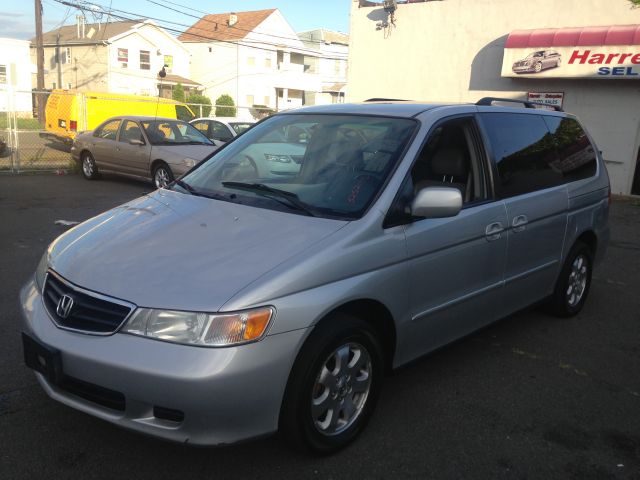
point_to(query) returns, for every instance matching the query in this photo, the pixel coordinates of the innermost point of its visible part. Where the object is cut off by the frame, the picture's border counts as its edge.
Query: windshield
(173, 132)
(328, 165)
(535, 54)
(240, 127)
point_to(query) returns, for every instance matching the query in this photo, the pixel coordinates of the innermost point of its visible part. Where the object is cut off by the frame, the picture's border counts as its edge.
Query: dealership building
(582, 55)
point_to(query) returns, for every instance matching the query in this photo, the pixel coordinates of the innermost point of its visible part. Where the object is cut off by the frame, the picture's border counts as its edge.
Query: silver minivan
(272, 285)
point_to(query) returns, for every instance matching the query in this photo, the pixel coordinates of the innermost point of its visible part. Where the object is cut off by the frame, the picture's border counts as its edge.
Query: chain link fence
(29, 143)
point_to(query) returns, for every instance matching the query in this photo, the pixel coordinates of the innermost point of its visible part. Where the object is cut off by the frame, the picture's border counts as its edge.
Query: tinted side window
(524, 152)
(221, 132)
(576, 155)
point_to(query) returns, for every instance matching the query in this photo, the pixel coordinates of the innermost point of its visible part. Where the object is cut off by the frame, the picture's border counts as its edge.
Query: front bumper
(226, 394)
(524, 69)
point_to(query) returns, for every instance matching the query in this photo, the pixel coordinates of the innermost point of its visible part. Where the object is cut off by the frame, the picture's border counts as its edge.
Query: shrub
(225, 106)
(201, 100)
(178, 93)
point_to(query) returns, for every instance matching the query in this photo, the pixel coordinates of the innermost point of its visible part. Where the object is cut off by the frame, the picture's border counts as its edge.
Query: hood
(176, 251)
(196, 152)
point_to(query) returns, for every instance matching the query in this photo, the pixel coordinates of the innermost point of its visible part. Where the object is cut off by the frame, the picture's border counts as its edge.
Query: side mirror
(135, 141)
(437, 202)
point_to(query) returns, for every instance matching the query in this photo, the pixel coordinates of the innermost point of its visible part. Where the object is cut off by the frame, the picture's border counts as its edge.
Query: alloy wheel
(577, 280)
(341, 389)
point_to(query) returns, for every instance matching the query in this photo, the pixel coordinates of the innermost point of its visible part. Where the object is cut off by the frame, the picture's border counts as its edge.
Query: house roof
(101, 31)
(175, 79)
(215, 26)
(324, 35)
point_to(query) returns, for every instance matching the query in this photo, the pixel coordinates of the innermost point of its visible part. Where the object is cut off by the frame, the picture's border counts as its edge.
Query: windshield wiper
(186, 186)
(291, 198)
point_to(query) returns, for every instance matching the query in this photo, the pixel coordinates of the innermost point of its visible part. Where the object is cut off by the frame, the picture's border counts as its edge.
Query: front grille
(88, 312)
(94, 393)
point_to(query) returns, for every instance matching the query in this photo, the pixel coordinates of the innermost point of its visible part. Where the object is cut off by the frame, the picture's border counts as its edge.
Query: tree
(203, 100)
(225, 106)
(178, 93)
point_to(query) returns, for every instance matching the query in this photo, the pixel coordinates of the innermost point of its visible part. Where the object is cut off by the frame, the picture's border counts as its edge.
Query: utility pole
(40, 97)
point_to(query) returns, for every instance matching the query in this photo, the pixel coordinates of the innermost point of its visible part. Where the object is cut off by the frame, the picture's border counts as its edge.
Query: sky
(17, 19)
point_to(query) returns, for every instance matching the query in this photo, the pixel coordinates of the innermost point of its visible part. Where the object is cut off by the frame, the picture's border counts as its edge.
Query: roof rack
(488, 101)
(386, 100)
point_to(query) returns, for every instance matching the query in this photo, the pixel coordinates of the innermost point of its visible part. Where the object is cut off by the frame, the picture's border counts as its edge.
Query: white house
(331, 63)
(255, 57)
(118, 57)
(15, 77)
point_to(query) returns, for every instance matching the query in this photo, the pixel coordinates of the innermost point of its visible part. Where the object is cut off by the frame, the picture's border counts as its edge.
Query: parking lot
(529, 397)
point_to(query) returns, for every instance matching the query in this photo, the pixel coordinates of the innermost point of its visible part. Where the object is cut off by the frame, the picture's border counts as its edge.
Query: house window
(251, 61)
(267, 100)
(168, 63)
(3, 74)
(54, 86)
(337, 67)
(123, 57)
(267, 62)
(68, 86)
(145, 60)
(249, 100)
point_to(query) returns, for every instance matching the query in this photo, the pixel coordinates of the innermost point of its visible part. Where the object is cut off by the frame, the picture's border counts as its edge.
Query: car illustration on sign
(537, 61)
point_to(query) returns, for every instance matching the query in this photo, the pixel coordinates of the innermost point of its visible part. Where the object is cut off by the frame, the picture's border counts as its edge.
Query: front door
(132, 158)
(456, 265)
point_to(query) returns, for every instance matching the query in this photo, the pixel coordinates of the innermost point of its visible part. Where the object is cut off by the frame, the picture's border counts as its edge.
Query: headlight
(204, 329)
(278, 158)
(41, 271)
(189, 162)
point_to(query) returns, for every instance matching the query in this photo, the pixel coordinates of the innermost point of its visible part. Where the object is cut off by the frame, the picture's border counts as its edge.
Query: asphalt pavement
(531, 397)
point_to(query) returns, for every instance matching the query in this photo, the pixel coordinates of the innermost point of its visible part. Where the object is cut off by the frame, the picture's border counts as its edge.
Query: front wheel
(334, 385)
(162, 175)
(537, 67)
(88, 164)
(572, 286)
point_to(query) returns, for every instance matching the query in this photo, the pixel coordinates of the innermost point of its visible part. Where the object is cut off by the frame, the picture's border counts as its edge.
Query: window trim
(392, 219)
(148, 63)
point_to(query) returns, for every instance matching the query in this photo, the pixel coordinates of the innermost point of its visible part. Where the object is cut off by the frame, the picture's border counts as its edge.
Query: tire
(537, 67)
(325, 414)
(162, 175)
(572, 286)
(88, 166)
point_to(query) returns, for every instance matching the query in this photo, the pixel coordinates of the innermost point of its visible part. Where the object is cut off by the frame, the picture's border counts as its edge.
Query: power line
(246, 43)
(318, 42)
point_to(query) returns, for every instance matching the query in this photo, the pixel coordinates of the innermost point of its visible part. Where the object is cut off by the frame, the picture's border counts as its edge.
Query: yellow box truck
(68, 112)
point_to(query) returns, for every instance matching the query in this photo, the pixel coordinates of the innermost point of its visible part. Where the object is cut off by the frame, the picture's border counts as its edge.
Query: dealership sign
(595, 52)
(551, 99)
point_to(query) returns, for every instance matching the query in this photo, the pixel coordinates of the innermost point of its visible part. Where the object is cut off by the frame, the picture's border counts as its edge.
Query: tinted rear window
(576, 155)
(524, 151)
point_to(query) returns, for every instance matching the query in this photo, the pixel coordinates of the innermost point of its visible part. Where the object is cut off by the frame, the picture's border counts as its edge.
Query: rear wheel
(88, 164)
(162, 175)
(334, 385)
(572, 286)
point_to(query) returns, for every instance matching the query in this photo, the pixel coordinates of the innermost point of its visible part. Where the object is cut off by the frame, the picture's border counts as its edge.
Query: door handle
(493, 231)
(519, 223)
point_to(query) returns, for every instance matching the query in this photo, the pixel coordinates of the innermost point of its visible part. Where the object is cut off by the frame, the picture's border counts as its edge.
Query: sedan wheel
(162, 176)
(89, 169)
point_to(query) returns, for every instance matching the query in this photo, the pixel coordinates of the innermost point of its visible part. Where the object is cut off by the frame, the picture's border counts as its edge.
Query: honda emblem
(65, 304)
